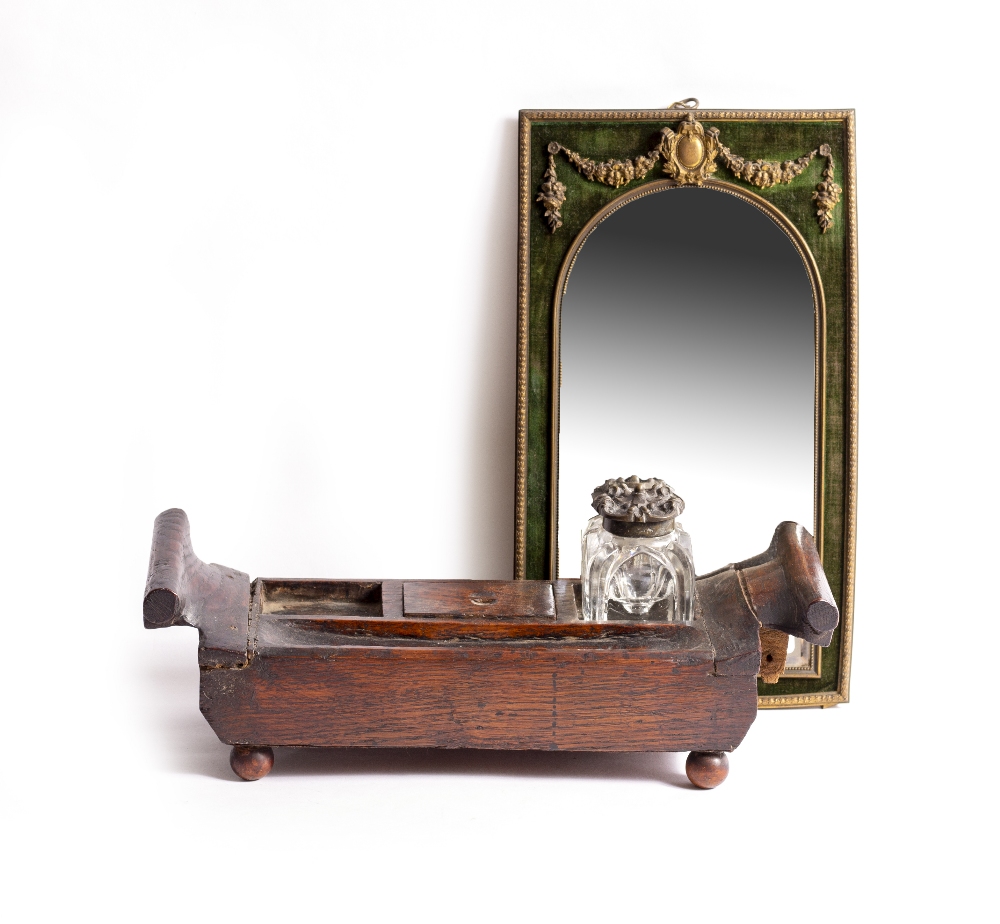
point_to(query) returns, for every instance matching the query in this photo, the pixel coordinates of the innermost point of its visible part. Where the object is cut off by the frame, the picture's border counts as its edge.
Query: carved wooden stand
(480, 664)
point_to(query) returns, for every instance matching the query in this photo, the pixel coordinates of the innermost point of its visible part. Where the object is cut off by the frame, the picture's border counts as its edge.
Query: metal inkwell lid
(637, 507)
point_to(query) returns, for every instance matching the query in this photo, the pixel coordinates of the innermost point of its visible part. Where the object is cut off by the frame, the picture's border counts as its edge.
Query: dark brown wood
(182, 590)
(730, 622)
(545, 697)
(479, 599)
(251, 763)
(787, 588)
(707, 769)
(569, 599)
(783, 588)
(312, 630)
(414, 663)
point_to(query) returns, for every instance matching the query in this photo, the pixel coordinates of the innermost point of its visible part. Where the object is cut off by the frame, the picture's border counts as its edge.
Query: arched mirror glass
(687, 343)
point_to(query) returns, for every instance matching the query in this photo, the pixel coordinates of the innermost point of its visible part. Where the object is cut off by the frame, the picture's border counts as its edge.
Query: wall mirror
(688, 310)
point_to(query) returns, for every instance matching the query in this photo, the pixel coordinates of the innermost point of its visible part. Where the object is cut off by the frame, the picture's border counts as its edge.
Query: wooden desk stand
(482, 664)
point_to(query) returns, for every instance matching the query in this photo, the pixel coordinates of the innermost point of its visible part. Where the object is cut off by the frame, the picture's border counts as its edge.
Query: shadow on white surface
(657, 767)
(193, 749)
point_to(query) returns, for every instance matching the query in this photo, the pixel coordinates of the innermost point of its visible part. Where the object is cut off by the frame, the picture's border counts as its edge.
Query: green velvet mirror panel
(768, 136)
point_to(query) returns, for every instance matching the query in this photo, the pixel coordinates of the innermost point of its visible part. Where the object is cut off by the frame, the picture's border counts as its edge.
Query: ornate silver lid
(637, 506)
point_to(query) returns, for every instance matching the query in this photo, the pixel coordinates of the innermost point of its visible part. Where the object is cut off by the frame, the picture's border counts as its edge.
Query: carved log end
(160, 607)
(166, 580)
(788, 587)
(823, 618)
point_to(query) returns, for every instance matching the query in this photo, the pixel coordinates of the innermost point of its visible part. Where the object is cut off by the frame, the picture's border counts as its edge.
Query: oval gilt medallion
(690, 151)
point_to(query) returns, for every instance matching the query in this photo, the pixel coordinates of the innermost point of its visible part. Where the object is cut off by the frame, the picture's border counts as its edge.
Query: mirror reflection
(687, 346)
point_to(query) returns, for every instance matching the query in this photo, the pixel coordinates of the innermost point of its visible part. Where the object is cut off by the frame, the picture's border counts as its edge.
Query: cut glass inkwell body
(637, 559)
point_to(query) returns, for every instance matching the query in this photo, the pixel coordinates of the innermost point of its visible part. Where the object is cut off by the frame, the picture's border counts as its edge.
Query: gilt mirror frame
(575, 169)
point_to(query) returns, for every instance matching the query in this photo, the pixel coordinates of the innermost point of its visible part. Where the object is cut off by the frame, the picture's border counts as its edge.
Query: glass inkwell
(637, 560)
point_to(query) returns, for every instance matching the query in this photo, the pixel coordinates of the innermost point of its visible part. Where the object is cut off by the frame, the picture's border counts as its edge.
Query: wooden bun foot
(251, 763)
(707, 769)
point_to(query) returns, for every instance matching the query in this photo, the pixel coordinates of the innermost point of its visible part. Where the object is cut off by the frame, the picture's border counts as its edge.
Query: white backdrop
(223, 287)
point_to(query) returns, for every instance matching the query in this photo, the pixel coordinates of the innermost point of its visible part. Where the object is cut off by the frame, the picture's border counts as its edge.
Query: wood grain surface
(479, 599)
(473, 696)
(182, 590)
(477, 664)
(787, 587)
